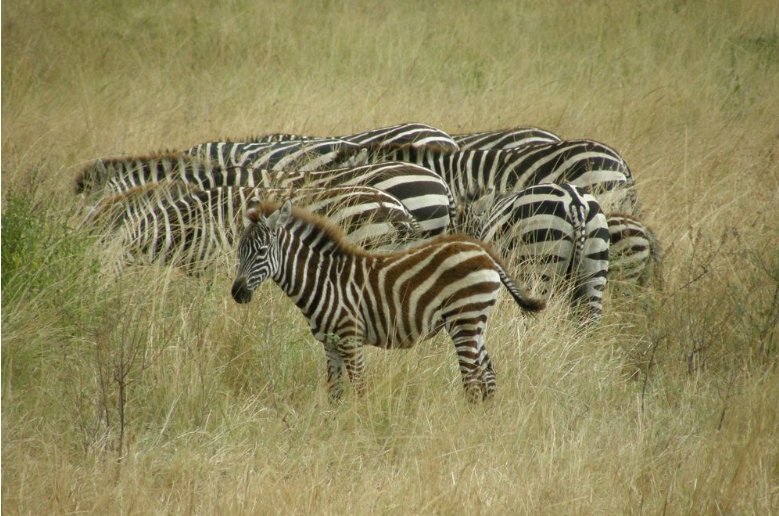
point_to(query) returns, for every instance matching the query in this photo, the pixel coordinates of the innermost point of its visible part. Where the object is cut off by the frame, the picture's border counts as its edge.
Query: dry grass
(155, 393)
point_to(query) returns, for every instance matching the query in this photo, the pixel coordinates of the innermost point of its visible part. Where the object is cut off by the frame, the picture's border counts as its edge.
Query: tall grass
(154, 392)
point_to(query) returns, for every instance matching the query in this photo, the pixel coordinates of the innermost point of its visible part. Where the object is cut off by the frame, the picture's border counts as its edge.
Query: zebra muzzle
(240, 291)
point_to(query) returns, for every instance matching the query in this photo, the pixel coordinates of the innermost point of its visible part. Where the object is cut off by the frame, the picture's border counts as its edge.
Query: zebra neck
(310, 264)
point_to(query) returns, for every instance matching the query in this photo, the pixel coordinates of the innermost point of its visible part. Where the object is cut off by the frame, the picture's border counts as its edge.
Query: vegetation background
(156, 393)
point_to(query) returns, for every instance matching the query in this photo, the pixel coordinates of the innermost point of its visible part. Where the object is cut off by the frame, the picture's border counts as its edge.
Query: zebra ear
(281, 216)
(284, 213)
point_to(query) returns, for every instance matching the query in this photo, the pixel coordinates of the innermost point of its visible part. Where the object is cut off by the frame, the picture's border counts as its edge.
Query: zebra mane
(320, 228)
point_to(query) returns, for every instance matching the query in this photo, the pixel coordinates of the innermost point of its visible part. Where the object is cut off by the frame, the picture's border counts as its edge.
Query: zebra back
(123, 173)
(471, 174)
(412, 134)
(504, 139)
(305, 155)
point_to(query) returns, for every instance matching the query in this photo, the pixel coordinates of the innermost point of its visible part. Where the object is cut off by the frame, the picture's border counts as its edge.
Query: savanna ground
(156, 393)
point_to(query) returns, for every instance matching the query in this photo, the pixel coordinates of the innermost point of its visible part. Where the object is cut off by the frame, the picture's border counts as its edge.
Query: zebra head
(258, 250)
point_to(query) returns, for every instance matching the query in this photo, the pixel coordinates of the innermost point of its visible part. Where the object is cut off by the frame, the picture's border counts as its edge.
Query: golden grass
(670, 405)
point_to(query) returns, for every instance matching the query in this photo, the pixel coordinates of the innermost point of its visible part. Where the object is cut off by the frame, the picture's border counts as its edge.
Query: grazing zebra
(351, 297)
(559, 233)
(504, 139)
(589, 165)
(634, 253)
(422, 191)
(197, 228)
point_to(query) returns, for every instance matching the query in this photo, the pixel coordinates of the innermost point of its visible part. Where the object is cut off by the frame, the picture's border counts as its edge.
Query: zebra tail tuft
(523, 299)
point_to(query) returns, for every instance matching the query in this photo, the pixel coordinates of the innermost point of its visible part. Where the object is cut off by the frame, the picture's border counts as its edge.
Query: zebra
(195, 229)
(504, 139)
(422, 191)
(352, 297)
(558, 233)
(471, 174)
(635, 254)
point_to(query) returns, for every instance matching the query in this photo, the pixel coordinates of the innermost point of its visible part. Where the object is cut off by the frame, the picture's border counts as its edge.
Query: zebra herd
(385, 229)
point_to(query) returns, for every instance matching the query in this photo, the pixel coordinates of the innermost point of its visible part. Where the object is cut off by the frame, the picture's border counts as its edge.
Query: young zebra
(558, 233)
(195, 229)
(634, 253)
(504, 139)
(351, 297)
(471, 174)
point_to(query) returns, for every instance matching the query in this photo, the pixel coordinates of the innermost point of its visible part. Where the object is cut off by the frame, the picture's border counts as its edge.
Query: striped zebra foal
(197, 228)
(351, 297)
(634, 253)
(504, 139)
(559, 234)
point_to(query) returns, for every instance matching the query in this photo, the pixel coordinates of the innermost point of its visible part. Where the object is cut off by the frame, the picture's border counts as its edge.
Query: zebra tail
(523, 299)
(656, 253)
(580, 236)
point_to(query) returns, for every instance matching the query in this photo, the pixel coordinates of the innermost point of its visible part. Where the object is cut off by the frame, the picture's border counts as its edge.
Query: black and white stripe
(558, 234)
(282, 151)
(504, 139)
(303, 155)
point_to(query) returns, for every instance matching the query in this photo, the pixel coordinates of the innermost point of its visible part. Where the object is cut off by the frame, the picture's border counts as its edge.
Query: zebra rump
(557, 234)
(635, 254)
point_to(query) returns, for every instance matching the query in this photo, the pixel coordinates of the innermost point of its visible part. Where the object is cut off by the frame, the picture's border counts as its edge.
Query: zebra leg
(335, 370)
(476, 368)
(344, 353)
